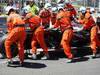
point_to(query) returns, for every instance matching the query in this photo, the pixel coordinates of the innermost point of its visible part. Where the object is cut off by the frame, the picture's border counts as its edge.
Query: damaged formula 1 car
(52, 38)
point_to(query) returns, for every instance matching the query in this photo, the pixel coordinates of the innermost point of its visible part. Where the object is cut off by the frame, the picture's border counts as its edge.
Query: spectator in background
(34, 8)
(27, 5)
(41, 4)
(7, 8)
(26, 8)
(16, 6)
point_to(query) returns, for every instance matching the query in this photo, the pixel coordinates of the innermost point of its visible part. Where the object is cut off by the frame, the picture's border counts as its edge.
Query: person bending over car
(64, 22)
(90, 25)
(45, 15)
(38, 34)
(16, 33)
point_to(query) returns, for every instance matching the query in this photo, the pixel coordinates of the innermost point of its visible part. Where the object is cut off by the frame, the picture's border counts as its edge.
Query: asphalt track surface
(56, 65)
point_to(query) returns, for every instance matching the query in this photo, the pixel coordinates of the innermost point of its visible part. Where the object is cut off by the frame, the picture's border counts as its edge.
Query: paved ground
(54, 66)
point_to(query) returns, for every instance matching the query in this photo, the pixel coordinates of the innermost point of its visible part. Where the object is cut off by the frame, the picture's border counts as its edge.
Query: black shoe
(21, 63)
(10, 62)
(93, 56)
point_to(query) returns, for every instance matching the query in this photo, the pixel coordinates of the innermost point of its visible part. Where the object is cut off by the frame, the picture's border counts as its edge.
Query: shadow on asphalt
(28, 65)
(55, 55)
(81, 59)
(34, 65)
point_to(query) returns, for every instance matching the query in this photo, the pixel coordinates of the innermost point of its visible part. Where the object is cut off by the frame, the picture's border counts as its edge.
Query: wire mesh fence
(77, 3)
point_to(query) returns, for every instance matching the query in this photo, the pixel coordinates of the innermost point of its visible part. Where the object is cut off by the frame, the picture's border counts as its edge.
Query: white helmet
(67, 1)
(82, 9)
(58, 1)
(7, 9)
(54, 9)
(26, 11)
(60, 6)
(92, 10)
(47, 6)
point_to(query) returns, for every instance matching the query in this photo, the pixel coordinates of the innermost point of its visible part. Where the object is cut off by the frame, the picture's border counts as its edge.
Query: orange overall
(45, 16)
(94, 39)
(88, 21)
(81, 18)
(16, 33)
(38, 32)
(53, 18)
(64, 23)
(71, 8)
(89, 24)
